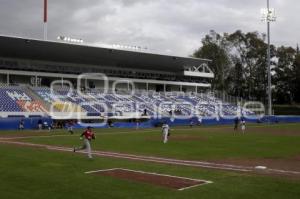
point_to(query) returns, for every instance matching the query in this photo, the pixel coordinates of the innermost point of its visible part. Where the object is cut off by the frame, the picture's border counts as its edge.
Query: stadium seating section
(16, 99)
(61, 99)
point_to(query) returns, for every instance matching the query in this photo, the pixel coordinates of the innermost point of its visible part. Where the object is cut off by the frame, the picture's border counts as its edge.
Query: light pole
(268, 15)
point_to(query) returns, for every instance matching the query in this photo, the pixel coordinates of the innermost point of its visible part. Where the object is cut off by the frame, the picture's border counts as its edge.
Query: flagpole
(45, 19)
(45, 31)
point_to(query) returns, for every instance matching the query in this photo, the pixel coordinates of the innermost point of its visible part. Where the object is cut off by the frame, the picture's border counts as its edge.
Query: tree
(249, 50)
(214, 48)
(239, 61)
(296, 79)
(283, 77)
(236, 80)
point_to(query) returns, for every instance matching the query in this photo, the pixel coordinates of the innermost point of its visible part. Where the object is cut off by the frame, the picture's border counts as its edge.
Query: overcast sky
(164, 26)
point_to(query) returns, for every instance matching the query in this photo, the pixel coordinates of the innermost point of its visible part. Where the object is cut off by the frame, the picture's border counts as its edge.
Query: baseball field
(199, 162)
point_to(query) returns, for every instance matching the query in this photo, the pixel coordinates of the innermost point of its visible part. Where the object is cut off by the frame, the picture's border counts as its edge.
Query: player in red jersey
(87, 136)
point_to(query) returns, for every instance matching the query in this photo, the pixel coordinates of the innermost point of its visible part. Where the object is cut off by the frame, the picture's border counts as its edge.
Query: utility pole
(269, 66)
(268, 15)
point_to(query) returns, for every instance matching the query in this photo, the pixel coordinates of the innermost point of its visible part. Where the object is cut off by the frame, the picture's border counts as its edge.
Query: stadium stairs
(36, 97)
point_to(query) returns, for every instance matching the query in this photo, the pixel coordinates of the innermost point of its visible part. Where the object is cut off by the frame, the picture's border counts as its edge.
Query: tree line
(239, 61)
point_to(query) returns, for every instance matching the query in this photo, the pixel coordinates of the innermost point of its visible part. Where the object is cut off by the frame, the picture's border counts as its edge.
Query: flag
(45, 11)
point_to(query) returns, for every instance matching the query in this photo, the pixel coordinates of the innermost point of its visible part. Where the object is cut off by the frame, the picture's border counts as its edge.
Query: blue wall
(12, 123)
(222, 121)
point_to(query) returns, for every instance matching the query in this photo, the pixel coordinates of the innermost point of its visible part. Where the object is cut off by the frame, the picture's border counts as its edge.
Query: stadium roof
(33, 49)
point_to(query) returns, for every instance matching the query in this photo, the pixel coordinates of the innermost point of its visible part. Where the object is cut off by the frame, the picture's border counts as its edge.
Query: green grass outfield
(39, 173)
(199, 143)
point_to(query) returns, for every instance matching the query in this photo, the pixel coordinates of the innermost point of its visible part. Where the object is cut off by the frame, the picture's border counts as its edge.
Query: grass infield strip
(169, 181)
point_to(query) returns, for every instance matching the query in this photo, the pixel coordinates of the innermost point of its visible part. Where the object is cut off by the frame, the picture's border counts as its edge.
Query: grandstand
(43, 79)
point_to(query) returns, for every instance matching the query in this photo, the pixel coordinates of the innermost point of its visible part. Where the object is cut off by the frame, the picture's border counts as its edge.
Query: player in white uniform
(243, 125)
(165, 132)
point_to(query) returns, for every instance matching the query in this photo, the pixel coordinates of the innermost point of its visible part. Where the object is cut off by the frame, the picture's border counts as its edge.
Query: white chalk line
(138, 158)
(147, 159)
(101, 170)
(184, 161)
(157, 160)
(201, 182)
(175, 162)
(193, 186)
(284, 171)
(145, 172)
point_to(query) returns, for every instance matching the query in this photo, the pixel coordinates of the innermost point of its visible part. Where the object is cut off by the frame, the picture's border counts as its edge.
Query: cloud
(164, 26)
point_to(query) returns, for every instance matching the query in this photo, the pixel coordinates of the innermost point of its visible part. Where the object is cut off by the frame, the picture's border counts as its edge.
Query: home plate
(168, 181)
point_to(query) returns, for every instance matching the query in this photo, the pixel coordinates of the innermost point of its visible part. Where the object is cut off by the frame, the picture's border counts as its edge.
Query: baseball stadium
(151, 126)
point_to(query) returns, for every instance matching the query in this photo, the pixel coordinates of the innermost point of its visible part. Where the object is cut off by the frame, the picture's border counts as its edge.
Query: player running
(87, 136)
(165, 132)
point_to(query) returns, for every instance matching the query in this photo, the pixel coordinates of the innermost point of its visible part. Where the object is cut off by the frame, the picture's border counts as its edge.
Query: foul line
(134, 157)
(200, 164)
(159, 160)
